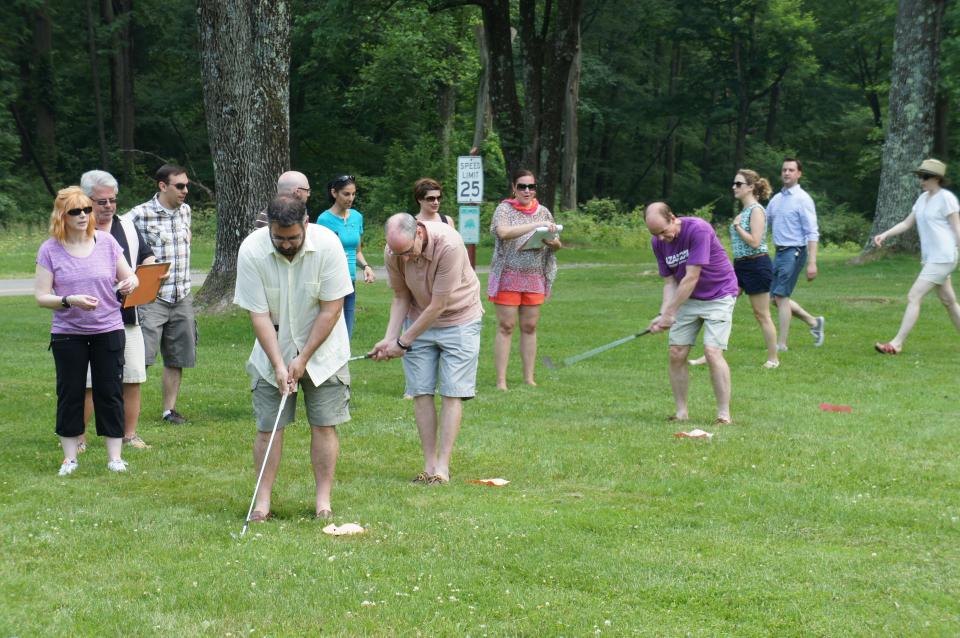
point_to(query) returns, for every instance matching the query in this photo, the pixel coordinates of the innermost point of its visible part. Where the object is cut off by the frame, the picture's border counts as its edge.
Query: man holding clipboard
(102, 188)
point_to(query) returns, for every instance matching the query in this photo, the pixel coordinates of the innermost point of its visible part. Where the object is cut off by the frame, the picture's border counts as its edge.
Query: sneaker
(68, 466)
(174, 418)
(817, 332)
(136, 442)
(781, 347)
(117, 466)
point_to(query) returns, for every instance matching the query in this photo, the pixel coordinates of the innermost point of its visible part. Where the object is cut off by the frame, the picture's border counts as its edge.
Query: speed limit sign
(469, 179)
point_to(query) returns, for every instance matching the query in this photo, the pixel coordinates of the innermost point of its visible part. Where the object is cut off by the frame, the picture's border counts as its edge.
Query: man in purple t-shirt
(699, 288)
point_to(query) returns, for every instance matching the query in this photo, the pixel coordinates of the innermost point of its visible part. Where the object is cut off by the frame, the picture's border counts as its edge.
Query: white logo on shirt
(678, 258)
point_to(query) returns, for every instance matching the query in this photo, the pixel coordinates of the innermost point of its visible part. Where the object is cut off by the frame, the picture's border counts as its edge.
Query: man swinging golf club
(292, 277)
(699, 288)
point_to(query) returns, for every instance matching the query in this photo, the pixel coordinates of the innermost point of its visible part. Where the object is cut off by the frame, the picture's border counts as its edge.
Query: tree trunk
(564, 44)
(43, 83)
(245, 66)
(507, 116)
(571, 135)
(121, 78)
(941, 128)
(95, 75)
(484, 116)
(913, 93)
(670, 151)
(448, 114)
(772, 114)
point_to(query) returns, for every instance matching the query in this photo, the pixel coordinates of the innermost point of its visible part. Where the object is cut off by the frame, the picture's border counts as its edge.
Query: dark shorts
(754, 274)
(786, 269)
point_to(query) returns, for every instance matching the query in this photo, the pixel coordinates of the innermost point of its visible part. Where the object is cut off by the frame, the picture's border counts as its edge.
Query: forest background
(673, 97)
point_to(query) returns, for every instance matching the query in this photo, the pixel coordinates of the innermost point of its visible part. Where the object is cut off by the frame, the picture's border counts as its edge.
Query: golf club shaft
(613, 344)
(266, 459)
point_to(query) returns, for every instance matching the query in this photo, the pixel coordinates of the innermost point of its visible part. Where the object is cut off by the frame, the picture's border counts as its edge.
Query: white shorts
(134, 370)
(716, 317)
(937, 273)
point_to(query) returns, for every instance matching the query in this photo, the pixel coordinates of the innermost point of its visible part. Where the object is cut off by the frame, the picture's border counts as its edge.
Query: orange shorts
(511, 298)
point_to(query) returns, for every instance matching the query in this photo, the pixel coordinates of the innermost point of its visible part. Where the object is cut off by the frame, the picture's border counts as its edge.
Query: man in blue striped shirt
(793, 218)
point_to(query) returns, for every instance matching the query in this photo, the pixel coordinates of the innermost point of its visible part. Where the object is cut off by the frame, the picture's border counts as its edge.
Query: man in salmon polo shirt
(699, 289)
(434, 326)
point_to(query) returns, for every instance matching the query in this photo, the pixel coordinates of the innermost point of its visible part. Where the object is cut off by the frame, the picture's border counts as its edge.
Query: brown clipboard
(150, 276)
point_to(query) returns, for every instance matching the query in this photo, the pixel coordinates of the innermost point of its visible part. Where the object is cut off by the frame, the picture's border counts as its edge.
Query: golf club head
(547, 361)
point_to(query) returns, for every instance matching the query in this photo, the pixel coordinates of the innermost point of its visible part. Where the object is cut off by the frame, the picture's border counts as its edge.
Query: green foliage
(839, 225)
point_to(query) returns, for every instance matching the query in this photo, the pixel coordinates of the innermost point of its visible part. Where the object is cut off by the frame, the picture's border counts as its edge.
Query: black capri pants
(104, 353)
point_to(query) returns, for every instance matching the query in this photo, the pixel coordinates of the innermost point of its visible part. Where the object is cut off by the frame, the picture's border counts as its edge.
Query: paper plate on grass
(343, 530)
(493, 482)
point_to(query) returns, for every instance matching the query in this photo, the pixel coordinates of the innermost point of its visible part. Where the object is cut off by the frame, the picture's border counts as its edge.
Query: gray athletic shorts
(327, 404)
(170, 328)
(716, 317)
(449, 353)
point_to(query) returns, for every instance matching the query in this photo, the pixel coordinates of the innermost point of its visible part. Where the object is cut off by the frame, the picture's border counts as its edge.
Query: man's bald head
(661, 222)
(294, 183)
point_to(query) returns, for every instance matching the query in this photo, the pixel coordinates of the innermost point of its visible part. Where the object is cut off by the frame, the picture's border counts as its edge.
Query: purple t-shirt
(697, 245)
(94, 275)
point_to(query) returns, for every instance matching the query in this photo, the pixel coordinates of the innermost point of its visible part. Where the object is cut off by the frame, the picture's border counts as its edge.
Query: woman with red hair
(80, 272)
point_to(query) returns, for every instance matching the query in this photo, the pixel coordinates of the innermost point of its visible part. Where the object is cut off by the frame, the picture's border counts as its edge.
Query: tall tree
(245, 62)
(913, 98)
(117, 15)
(548, 35)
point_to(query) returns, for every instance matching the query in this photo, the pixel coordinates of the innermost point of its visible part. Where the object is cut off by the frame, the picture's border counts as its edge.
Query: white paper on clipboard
(536, 239)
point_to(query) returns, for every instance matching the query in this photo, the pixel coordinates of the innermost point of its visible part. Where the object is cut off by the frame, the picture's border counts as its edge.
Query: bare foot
(531, 382)
(502, 386)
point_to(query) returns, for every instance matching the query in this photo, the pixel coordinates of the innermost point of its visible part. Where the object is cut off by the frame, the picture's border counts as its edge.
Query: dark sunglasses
(179, 187)
(526, 187)
(925, 176)
(74, 212)
(343, 179)
(433, 198)
(104, 202)
(739, 184)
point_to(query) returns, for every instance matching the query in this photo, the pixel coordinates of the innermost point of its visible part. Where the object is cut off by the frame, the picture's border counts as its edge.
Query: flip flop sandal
(259, 517)
(722, 421)
(886, 348)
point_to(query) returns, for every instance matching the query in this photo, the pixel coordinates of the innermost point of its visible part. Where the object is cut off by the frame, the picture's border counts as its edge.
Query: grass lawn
(791, 522)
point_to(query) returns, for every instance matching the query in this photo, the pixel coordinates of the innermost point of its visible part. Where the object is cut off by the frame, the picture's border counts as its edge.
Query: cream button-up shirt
(291, 291)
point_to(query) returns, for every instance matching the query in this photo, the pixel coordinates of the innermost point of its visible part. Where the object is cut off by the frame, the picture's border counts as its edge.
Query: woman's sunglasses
(74, 212)
(526, 187)
(433, 198)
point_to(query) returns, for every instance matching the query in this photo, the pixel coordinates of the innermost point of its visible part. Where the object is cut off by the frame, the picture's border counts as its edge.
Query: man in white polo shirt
(292, 277)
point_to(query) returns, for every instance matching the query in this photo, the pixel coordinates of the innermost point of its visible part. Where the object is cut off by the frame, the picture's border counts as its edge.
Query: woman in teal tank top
(751, 261)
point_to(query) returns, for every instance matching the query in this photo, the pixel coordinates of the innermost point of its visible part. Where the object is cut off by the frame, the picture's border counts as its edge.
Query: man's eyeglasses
(180, 187)
(408, 251)
(739, 184)
(302, 188)
(74, 212)
(433, 198)
(104, 202)
(526, 187)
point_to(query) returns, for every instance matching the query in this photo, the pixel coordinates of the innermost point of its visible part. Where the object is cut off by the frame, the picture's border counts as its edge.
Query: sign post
(469, 196)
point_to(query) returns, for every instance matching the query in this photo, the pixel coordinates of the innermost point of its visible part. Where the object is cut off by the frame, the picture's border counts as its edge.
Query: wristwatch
(402, 345)
(63, 301)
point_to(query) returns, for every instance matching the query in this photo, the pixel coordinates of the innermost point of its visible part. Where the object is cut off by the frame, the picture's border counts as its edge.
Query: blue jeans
(349, 303)
(787, 266)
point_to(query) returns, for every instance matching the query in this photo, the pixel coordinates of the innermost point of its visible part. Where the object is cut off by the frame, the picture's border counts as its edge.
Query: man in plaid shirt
(168, 323)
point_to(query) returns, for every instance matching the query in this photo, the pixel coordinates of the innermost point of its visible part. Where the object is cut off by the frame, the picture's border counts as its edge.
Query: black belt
(779, 248)
(748, 257)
